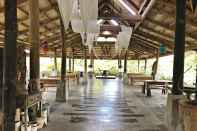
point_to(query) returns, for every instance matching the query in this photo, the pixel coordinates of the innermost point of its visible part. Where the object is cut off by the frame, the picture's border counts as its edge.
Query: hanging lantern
(162, 49)
(44, 47)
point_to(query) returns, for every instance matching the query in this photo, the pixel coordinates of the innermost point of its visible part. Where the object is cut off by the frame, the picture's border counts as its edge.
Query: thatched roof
(151, 29)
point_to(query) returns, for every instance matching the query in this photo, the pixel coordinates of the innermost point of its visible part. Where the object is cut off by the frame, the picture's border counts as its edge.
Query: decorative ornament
(162, 49)
(44, 46)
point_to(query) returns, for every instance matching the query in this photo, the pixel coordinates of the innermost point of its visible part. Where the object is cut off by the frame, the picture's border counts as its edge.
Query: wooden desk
(155, 84)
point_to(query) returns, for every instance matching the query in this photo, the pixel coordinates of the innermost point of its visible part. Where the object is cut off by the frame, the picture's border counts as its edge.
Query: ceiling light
(114, 22)
(127, 7)
(111, 39)
(100, 21)
(106, 33)
(101, 39)
(27, 51)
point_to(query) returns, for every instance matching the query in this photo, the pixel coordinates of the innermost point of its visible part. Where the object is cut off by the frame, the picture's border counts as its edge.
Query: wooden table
(155, 84)
(138, 78)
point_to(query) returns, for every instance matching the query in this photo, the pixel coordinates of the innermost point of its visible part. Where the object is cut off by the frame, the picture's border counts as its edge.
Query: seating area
(138, 78)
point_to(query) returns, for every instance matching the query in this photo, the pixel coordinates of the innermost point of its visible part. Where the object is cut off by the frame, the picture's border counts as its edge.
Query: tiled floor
(106, 105)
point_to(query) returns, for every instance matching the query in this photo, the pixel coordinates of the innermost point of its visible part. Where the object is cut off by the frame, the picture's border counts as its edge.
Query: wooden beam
(167, 43)
(169, 27)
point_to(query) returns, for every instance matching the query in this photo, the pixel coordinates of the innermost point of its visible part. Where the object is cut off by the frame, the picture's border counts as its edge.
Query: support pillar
(85, 61)
(55, 60)
(35, 42)
(125, 77)
(138, 65)
(9, 67)
(85, 78)
(73, 62)
(173, 111)
(61, 91)
(1, 77)
(70, 64)
(179, 49)
(145, 66)
(125, 63)
(119, 67)
(91, 66)
(157, 63)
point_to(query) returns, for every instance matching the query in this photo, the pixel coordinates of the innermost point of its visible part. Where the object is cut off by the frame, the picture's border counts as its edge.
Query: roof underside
(155, 29)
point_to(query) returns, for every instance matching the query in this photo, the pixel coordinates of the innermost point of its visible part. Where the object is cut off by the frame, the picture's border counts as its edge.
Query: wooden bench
(54, 81)
(155, 84)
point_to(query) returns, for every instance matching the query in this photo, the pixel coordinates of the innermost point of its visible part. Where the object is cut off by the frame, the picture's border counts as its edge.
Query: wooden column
(179, 50)
(61, 91)
(138, 65)
(35, 42)
(157, 62)
(92, 60)
(120, 62)
(9, 76)
(1, 78)
(73, 62)
(93, 64)
(145, 65)
(125, 63)
(55, 60)
(70, 64)
(85, 61)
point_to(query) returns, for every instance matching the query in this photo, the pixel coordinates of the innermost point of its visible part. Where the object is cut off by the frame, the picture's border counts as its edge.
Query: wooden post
(125, 63)
(73, 62)
(35, 42)
(85, 61)
(145, 65)
(157, 62)
(138, 65)
(55, 60)
(70, 64)
(93, 64)
(120, 62)
(9, 68)
(1, 78)
(61, 91)
(179, 49)
(92, 60)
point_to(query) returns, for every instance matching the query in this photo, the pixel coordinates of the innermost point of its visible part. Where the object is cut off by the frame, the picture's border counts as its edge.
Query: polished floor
(106, 105)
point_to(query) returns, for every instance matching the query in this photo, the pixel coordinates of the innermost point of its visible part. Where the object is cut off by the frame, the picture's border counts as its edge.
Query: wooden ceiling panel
(158, 27)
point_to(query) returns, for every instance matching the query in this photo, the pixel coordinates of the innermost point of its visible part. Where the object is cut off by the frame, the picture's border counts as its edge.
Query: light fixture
(106, 33)
(27, 51)
(100, 21)
(109, 39)
(127, 7)
(101, 39)
(114, 22)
